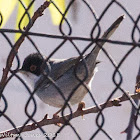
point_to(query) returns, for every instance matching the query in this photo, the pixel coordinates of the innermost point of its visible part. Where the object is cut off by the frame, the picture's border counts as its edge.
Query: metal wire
(64, 37)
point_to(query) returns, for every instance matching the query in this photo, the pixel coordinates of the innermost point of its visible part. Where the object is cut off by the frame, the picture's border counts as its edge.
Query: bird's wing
(58, 69)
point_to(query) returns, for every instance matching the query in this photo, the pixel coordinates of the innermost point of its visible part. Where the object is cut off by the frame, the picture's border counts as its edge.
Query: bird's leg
(56, 116)
(81, 105)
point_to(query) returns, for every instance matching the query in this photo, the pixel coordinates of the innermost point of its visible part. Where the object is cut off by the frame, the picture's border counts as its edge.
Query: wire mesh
(64, 37)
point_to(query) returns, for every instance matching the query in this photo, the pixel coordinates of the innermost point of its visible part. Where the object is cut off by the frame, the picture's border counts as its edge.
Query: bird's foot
(56, 116)
(80, 108)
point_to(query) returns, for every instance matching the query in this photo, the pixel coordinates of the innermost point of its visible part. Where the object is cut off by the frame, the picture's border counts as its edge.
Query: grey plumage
(63, 74)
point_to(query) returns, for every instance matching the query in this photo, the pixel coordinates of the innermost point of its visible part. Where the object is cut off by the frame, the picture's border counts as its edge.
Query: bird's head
(31, 68)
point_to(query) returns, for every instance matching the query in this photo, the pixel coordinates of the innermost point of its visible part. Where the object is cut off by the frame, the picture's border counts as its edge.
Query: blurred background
(81, 21)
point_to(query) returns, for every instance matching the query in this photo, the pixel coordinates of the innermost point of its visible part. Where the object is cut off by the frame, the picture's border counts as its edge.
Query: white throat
(30, 78)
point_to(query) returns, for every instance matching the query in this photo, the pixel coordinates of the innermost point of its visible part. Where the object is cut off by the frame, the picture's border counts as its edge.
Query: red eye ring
(33, 68)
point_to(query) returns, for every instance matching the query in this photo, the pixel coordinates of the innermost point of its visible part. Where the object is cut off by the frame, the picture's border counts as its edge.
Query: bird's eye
(32, 68)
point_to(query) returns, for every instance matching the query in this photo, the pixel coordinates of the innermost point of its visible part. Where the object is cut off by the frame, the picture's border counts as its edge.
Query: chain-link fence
(61, 81)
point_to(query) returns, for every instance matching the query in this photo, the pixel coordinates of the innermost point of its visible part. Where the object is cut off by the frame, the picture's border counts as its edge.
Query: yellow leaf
(22, 23)
(55, 14)
(6, 9)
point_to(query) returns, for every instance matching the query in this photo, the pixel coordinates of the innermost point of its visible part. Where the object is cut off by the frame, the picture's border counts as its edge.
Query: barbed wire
(64, 37)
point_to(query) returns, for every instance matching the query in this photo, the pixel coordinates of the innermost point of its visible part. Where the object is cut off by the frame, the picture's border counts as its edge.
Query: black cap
(32, 63)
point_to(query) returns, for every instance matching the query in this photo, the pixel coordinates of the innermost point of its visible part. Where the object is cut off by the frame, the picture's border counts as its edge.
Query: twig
(130, 127)
(15, 48)
(63, 120)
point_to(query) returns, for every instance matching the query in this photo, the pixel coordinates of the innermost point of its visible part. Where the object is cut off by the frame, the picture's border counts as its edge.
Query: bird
(55, 80)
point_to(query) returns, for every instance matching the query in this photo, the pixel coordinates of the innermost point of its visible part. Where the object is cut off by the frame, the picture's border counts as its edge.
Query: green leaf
(6, 9)
(25, 19)
(55, 14)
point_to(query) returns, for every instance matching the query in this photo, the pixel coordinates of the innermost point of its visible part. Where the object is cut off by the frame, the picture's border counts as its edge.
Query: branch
(18, 43)
(63, 120)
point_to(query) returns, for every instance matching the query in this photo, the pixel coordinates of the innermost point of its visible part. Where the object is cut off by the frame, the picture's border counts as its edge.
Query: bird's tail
(90, 59)
(94, 53)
